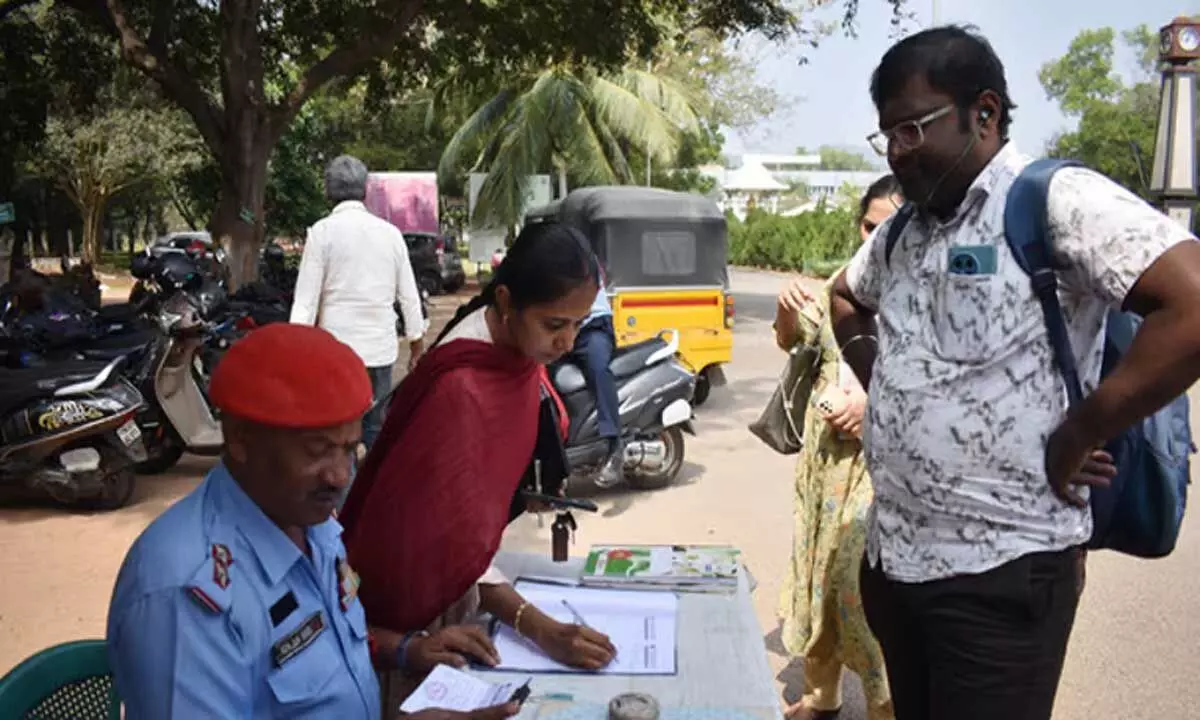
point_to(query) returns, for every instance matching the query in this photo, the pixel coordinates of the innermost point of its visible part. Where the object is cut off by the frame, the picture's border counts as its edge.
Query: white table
(721, 655)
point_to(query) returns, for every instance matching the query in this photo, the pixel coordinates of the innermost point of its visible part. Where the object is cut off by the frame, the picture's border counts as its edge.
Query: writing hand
(577, 646)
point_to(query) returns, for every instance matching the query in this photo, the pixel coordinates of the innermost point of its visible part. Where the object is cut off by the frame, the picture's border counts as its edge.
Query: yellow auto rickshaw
(664, 255)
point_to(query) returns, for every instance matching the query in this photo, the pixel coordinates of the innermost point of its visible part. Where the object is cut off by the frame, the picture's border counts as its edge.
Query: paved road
(1133, 654)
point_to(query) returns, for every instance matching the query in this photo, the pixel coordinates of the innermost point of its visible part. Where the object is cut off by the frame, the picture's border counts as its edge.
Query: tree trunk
(562, 181)
(93, 222)
(238, 222)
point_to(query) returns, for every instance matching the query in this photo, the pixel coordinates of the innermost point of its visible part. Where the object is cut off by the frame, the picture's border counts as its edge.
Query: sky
(829, 99)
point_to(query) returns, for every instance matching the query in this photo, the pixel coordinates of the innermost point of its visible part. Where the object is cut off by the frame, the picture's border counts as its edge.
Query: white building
(762, 179)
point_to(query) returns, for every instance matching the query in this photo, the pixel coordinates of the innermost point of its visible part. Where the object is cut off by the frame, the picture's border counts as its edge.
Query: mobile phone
(561, 503)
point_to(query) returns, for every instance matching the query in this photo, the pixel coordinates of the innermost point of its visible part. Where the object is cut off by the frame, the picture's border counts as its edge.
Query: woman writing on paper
(823, 620)
(425, 516)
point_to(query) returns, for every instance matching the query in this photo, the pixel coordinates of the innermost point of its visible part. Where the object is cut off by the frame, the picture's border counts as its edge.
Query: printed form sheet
(642, 627)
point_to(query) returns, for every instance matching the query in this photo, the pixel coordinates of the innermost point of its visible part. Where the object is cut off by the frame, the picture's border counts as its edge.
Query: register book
(641, 625)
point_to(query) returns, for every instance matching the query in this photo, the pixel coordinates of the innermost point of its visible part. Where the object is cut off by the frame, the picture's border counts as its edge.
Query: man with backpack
(987, 414)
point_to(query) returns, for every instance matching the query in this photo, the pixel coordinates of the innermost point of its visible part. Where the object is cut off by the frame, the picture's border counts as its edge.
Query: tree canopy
(1115, 118)
(244, 70)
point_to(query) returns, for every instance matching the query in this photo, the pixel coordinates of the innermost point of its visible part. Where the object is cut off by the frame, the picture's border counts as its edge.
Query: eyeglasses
(908, 135)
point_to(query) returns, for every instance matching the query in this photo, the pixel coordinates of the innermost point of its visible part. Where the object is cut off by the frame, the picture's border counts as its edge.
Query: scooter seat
(630, 360)
(22, 386)
(627, 362)
(111, 347)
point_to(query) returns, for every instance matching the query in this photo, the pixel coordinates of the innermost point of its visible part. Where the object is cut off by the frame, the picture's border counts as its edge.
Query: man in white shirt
(354, 269)
(972, 572)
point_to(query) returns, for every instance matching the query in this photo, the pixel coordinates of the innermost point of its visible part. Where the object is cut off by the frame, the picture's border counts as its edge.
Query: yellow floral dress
(823, 620)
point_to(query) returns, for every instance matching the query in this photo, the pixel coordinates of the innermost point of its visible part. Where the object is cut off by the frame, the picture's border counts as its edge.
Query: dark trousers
(372, 422)
(381, 385)
(985, 647)
(594, 347)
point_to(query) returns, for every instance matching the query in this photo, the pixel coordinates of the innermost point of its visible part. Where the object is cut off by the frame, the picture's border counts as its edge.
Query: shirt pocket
(302, 682)
(967, 313)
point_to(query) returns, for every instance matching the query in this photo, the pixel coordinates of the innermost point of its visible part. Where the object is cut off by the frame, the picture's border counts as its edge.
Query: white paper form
(641, 625)
(448, 689)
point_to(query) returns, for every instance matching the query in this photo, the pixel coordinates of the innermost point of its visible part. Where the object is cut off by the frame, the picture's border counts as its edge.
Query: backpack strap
(1026, 228)
(896, 229)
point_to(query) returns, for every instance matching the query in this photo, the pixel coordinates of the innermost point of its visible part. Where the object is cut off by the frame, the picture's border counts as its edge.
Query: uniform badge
(348, 583)
(222, 559)
(203, 600)
(291, 644)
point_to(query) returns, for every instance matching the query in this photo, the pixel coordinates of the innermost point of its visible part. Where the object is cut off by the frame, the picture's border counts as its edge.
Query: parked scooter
(67, 431)
(654, 391)
(178, 417)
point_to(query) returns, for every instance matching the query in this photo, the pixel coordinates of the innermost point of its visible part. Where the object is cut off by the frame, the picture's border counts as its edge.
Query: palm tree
(564, 118)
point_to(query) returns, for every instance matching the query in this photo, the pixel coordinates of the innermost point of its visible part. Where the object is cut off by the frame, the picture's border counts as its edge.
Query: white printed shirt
(965, 392)
(355, 267)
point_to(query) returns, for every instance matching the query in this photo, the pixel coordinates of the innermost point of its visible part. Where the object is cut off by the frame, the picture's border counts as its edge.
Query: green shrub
(817, 242)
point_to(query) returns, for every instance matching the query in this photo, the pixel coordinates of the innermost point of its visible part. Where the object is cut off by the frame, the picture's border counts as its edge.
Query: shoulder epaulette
(210, 586)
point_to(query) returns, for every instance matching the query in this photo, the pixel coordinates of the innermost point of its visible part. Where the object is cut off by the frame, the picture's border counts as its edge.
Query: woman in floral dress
(823, 620)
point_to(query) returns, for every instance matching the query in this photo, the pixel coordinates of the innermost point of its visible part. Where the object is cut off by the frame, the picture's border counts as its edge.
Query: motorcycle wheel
(703, 388)
(119, 482)
(430, 283)
(673, 438)
(160, 457)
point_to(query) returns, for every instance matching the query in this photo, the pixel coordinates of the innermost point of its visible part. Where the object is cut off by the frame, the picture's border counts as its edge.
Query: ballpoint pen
(578, 618)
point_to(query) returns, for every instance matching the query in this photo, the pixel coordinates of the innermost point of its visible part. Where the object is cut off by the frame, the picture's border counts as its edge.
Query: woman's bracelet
(855, 339)
(517, 618)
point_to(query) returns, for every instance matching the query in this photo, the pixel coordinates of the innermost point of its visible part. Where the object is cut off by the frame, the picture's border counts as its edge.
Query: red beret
(292, 376)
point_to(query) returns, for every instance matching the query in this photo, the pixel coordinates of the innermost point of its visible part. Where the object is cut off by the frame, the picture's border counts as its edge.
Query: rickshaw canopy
(648, 237)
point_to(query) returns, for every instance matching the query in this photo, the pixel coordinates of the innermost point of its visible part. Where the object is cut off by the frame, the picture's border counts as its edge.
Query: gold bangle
(517, 618)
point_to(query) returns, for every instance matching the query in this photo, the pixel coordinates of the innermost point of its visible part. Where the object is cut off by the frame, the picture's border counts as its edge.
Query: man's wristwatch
(402, 649)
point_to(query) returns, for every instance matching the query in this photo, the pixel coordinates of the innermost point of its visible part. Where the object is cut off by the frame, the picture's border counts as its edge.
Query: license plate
(129, 433)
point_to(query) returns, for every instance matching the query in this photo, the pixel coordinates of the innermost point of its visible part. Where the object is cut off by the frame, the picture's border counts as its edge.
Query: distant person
(593, 352)
(238, 601)
(823, 619)
(981, 472)
(354, 269)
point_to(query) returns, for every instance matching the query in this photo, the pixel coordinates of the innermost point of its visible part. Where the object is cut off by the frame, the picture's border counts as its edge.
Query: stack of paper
(641, 626)
(692, 568)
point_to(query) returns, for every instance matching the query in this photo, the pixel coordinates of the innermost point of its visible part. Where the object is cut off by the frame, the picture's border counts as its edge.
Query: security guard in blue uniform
(237, 602)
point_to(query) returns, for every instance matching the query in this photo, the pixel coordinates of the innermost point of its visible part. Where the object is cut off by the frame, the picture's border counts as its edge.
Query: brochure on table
(682, 567)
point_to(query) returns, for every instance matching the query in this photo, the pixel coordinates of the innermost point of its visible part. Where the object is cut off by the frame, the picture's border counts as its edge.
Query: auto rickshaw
(664, 255)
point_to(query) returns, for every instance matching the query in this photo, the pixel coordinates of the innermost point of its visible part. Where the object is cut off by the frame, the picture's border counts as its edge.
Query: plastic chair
(71, 681)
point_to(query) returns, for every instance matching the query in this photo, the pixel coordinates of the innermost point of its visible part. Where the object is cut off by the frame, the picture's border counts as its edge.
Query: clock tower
(1173, 178)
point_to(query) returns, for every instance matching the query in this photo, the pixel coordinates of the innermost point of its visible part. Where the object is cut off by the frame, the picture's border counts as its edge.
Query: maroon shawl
(428, 508)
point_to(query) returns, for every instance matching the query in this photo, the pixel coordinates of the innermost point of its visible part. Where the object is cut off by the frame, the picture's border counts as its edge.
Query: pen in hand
(579, 620)
(575, 613)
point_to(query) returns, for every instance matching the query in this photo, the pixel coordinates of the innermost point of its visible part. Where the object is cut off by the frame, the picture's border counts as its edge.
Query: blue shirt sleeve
(172, 658)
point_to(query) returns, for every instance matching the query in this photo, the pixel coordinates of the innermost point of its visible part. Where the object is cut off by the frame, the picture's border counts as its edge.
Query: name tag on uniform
(295, 641)
(972, 260)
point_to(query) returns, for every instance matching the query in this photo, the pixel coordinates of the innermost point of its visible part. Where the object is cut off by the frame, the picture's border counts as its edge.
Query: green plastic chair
(71, 681)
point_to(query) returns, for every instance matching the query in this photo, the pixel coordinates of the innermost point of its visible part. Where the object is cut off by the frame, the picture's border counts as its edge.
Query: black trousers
(976, 647)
